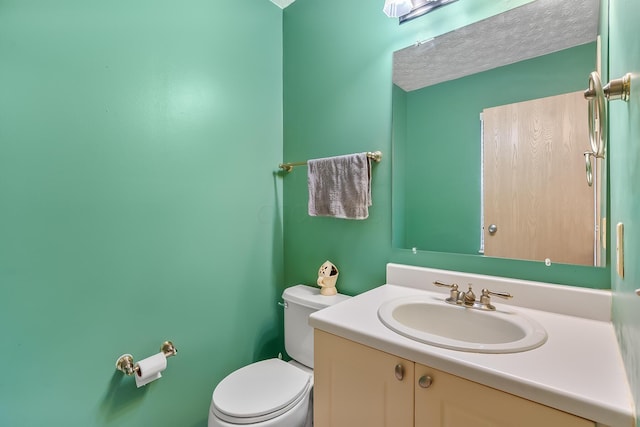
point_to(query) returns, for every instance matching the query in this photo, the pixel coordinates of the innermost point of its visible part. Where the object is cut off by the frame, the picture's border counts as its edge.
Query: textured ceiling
(537, 28)
(282, 3)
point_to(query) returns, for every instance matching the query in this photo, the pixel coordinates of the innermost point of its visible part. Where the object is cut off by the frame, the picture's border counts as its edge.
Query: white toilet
(274, 393)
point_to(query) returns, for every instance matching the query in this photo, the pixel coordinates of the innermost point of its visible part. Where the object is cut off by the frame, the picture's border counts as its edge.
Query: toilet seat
(260, 391)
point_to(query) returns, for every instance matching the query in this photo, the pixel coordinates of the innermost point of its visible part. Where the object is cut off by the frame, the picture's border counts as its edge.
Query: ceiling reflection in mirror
(507, 87)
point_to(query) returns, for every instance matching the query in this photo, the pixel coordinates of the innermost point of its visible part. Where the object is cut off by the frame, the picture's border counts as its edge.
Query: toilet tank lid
(310, 297)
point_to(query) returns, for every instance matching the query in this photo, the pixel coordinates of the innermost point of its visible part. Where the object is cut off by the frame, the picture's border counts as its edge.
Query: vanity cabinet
(356, 385)
(451, 401)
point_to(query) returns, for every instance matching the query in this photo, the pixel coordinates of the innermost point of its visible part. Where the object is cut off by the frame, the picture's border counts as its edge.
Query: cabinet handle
(399, 371)
(425, 381)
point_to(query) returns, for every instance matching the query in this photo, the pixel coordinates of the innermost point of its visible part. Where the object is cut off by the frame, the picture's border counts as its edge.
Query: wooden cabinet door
(451, 401)
(356, 386)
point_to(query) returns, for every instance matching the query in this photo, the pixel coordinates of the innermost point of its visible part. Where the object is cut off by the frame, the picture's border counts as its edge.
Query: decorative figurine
(327, 277)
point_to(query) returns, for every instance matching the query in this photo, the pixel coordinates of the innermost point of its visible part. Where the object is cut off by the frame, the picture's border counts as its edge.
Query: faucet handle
(485, 300)
(505, 295)
(453, 295)
(445, 285)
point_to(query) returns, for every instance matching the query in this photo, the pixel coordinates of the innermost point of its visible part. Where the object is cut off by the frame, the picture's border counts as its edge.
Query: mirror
(482, 90)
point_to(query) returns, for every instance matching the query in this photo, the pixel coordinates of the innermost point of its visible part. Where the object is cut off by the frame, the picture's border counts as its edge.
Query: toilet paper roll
(150, 369)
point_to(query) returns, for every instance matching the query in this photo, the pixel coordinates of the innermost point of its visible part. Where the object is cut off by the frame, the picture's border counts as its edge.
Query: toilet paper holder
(125, 362)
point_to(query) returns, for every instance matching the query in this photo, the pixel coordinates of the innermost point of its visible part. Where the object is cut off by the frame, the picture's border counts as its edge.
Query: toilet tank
(301, 301)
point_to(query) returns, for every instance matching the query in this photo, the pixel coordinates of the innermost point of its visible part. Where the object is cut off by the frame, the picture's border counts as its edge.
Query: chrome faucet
(468, 299)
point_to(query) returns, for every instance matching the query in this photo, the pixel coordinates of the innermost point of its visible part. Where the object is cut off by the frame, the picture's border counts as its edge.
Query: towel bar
(376, 156)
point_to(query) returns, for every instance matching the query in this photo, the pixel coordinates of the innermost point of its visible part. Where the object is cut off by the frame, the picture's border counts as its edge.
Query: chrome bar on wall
(376, 156)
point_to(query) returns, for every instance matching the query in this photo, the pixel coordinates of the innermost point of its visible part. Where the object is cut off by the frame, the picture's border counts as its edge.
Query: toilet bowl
(267, 393)
(273, 392)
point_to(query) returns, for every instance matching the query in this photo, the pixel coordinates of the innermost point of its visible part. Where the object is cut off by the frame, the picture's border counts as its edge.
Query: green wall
(443, 148)
(624, 158)
(138, 143)
(135, 139)
(337, 98)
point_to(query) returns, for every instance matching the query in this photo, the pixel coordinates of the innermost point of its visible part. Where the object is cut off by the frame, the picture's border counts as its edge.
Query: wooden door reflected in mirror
(534, 188)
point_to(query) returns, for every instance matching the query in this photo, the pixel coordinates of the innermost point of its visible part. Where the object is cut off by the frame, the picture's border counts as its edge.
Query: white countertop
(578, 370)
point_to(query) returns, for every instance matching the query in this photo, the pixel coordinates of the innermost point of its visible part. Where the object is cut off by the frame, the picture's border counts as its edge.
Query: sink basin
(430, 320)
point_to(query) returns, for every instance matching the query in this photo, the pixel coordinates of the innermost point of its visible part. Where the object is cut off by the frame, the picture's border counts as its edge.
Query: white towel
(340, 186)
